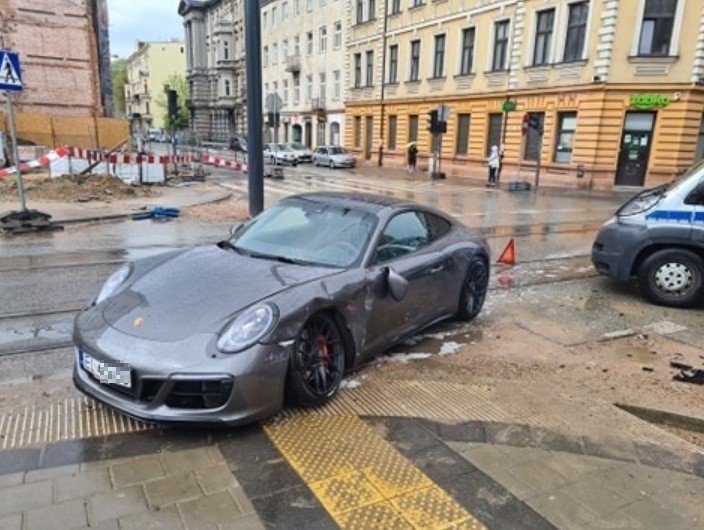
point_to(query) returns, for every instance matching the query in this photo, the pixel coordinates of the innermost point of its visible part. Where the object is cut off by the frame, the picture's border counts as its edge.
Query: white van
(658, 237)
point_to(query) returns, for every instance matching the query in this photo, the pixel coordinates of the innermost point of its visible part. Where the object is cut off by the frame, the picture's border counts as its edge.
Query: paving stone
(656, 456)
(166, 519)
(248, 522)
(572, 467)
(210, 511)
(137, 470)
(247, 447)
(267, 478)
(485, 456)
(518, 487)
(472, 431)
(11, 479)
(562, 511)
(117, 503)
(539, 476)
(242, 501)
(216, 478)
(105, 525)
(293, 508)
(654, 516)
(596, 497)
(15, 460)
(82, 484)
(16, 499)
(614, 521)
(610, 447)
(508, 434)
(172, 489)
(49, 473)
(11, 522)
(65, 515)
(189, 460)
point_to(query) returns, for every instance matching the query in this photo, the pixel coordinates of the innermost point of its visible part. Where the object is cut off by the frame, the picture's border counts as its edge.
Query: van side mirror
(398, 285)
(235, 228)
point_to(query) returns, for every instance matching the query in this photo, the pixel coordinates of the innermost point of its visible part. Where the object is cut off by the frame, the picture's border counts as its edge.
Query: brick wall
(57, 45)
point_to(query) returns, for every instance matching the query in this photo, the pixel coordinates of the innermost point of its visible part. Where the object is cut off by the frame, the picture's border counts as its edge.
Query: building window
(370, 68)
(394, 6)
(147, 109)
(285, 98)
(297, 46)
(576, 31)
(265, 57)
(226, 50)
(439, 57)
(699, 152)
(274, 53)
(393, 63)
(414, 73)
(284, 50)
(463, 121)
(360, 11)
(566, 125)
(323, 40)
(309, 87)
(467, 57)
(309, 5)
(543, 37)
(656, 30)
(284, 11)
(498, 61)
(413, 128)
(322, 88)
(228, 88)
(393, 126)
(337, 39)
(357, 131)
(273, 16)
(534, 138)
(265, 19)
(336, 87)
(371, 9)
(417, 3)
(494, 136)
(296, 7)
(296, 90)
(323, 3)
(275, 88)
(309, 37)
(357, 70)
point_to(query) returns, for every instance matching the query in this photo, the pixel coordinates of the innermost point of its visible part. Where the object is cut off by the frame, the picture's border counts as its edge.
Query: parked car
(658, 237)
(155, 135)
(302, 152)
(302, 293)
(239, 144)
(279, 154)
(333, 157)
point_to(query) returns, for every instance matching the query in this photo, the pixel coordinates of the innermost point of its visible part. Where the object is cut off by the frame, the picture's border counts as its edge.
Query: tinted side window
(437, 226)
(405, 233)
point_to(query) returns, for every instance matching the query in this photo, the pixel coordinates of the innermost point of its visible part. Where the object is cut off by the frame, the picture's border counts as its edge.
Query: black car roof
(363, 201)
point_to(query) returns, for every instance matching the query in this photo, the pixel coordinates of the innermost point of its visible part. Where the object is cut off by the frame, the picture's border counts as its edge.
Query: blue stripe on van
(699, 217)
(677, 216)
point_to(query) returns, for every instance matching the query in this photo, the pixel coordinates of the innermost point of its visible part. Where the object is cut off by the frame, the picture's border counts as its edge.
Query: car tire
(672, 277)
(474, 290)
(319, 345)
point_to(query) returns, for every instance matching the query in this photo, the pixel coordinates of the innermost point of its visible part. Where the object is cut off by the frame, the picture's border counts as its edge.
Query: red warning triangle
(508, 256)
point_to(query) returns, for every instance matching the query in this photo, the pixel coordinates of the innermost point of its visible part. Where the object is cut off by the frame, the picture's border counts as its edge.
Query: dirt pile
(233, 209)
(73, 188)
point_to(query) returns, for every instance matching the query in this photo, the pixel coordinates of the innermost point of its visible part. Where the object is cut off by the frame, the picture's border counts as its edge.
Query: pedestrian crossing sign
(10, 73)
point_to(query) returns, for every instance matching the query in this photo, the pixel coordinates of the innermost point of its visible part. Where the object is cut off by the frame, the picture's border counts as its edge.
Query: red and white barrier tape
(42, 161)
(223, 162)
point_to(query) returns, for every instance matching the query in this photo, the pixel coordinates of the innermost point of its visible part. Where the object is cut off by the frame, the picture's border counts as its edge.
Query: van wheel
(672, 277)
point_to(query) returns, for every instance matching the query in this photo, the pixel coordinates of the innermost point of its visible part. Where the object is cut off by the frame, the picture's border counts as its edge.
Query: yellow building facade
(615, 87)
(148, 70)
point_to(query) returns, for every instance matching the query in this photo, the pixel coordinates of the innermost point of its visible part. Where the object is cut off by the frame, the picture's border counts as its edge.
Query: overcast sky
(146, 20)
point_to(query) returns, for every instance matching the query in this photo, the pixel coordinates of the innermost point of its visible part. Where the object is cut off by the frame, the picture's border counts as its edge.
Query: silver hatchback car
(333, 157)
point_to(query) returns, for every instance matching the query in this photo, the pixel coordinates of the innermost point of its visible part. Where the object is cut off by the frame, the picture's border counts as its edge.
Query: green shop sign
(649, 101)
(509, 106)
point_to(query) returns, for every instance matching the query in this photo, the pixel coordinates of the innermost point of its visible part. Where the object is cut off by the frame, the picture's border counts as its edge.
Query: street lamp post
(254, 107)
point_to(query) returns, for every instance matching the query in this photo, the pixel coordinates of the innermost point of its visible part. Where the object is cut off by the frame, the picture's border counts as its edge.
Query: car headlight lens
(114, 282)
(640, 204)
(248, 328)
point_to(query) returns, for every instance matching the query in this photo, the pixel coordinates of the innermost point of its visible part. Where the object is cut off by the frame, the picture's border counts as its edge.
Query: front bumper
(257, 379)
(616, 247)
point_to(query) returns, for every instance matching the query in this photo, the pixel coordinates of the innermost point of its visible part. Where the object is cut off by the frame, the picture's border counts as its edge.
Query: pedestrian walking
(494, 163)
(412, 156)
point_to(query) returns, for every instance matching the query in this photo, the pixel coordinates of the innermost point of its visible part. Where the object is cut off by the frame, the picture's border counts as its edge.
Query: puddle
(637, 354)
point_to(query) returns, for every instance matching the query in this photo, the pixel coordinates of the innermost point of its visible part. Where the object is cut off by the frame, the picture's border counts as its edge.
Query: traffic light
(172, 103)
(433, 121)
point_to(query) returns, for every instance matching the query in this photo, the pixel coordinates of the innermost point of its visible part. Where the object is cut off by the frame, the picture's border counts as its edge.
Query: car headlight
(248, 328)
(640, 204)
(114, 282)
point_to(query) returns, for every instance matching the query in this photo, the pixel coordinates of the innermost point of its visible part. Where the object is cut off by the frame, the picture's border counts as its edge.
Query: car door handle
(438, 268)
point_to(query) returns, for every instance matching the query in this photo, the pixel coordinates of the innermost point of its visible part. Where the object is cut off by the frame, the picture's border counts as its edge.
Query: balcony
(317, 104)
(293, 64)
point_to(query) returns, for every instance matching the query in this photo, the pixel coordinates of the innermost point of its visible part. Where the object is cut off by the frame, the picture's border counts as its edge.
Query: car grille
(199, 394)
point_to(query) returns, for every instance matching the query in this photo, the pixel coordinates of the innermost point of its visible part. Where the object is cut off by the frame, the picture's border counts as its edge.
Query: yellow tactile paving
(361, 479)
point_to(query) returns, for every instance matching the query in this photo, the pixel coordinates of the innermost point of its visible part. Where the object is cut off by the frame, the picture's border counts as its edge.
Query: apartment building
(148, 72)
(303, 58)
(616, 86)
(215, 68)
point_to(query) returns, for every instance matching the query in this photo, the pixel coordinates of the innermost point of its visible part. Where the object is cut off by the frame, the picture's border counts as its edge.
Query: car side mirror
(235, 228)
(398, 285)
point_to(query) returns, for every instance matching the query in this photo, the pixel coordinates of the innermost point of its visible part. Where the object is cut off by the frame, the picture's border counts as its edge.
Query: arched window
(226, 50)
(228, 88)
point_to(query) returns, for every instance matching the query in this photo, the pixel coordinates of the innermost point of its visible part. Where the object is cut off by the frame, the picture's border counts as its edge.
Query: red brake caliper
(323, 350)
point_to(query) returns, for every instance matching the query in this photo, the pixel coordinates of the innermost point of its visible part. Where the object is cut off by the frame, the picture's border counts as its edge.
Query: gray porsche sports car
(310, 288)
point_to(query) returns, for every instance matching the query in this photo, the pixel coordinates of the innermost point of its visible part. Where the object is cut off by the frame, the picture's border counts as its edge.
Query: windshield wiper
(282, 259)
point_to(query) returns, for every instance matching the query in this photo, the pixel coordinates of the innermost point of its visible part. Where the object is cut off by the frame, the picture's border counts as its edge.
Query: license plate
(106, 373)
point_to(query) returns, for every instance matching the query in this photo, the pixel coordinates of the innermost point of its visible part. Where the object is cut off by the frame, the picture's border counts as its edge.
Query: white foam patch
(350, 384)
(450, 348)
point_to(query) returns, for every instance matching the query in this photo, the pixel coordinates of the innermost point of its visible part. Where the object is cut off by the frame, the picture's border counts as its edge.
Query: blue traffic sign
(10, 72)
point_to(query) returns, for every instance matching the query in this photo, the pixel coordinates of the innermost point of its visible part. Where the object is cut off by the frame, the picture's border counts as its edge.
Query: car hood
(198, 291)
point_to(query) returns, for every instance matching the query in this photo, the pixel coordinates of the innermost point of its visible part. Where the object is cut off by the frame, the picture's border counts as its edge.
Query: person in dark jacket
(412, 156)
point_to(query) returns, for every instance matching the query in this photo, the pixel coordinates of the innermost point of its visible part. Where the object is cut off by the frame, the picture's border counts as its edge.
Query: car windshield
(337, 151)
(308, 233)
(695, 172)
(283, 147)
(298, 146)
